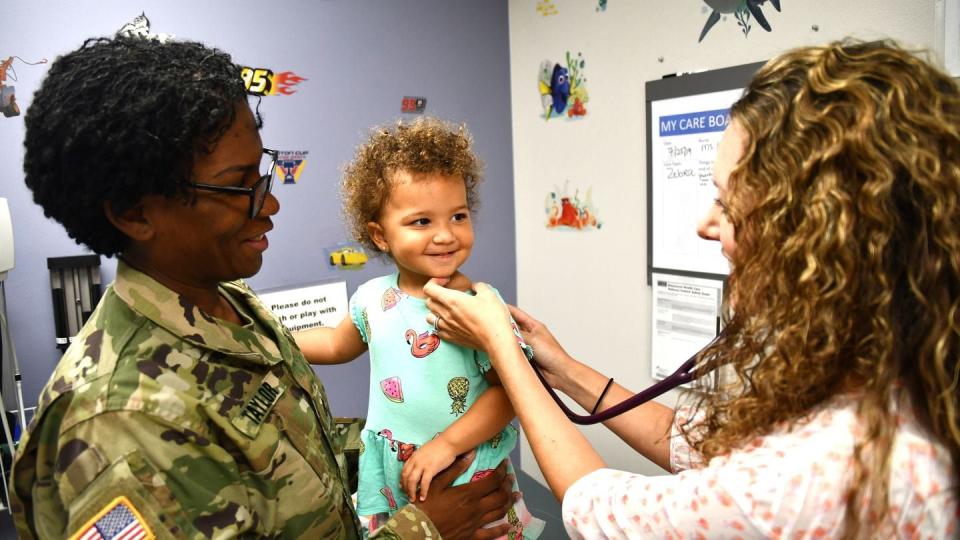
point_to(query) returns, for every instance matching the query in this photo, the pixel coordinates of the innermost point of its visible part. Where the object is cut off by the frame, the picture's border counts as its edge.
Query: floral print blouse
(788, 484)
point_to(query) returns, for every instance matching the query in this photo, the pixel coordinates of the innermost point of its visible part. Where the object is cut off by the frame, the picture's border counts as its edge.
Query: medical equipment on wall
(75, 285)
(8, 353)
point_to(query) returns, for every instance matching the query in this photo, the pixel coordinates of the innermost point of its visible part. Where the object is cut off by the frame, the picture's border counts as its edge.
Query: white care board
(686, 116)
(686, 133)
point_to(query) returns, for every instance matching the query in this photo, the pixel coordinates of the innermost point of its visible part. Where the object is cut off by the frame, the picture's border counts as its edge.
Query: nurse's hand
(475, 321)
(549, 355)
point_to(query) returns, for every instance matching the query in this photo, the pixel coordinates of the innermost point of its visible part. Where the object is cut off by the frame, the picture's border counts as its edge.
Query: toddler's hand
(431, 458)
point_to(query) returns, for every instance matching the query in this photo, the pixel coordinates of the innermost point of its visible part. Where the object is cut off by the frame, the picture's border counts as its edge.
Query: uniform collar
(180, 317)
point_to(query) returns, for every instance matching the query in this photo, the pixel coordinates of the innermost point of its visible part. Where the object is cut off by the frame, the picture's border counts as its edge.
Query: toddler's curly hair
(427, 145)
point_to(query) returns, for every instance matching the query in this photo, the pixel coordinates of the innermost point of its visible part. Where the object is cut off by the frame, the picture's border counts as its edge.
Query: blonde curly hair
(427, 145)
(846, 277)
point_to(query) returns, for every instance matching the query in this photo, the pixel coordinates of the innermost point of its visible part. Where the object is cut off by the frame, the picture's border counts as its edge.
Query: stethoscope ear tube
(682, 375)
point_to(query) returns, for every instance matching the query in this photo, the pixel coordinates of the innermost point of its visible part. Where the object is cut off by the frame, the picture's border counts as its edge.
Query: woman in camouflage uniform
(183, 408)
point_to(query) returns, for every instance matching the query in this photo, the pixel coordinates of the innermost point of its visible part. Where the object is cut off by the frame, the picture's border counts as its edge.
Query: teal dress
(419, 385)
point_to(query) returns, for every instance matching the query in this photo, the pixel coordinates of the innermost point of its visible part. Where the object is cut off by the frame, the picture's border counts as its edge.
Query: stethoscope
(683, 375)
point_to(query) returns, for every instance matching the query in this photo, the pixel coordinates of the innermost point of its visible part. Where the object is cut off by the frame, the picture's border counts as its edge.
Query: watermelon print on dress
(390, 298)
(392, 389)
(480, 475)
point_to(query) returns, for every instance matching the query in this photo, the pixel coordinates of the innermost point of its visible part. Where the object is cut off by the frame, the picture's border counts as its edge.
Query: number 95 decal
(259, 81)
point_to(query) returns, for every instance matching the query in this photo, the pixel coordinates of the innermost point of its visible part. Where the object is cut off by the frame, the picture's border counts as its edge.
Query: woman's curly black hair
(119, 119)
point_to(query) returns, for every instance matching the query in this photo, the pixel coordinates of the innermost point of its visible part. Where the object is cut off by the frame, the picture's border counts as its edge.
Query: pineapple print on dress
(457, 389)
(517, 532)
(423, 344)
(366, 324)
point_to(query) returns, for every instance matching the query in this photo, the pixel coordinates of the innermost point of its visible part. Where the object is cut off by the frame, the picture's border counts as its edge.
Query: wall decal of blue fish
(559, 88)
(563, 87)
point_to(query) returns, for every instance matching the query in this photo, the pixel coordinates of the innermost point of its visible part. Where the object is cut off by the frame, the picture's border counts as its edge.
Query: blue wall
(359, 58)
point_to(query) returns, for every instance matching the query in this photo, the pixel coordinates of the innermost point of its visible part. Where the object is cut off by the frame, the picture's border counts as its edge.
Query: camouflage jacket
(199, 427)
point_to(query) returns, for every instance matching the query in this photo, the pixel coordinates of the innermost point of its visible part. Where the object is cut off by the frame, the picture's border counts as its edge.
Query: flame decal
(284, 82)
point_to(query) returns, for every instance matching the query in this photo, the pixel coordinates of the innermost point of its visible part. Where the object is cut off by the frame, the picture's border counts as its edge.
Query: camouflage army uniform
(208, 429)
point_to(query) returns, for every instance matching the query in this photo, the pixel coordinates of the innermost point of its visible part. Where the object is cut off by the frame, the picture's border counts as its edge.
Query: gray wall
(360, 59)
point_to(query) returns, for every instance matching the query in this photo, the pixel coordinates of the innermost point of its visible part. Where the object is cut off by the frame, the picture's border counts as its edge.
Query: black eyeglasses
(257, 192)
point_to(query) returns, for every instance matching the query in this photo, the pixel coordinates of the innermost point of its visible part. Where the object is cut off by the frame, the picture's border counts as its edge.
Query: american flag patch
(119, 520)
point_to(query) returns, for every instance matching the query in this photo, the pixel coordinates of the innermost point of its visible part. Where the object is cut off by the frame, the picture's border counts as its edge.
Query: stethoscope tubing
(683, 375)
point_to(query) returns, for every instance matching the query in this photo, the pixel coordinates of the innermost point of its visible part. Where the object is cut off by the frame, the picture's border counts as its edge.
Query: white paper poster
(684, 139)
(308, 306)
(686, 316)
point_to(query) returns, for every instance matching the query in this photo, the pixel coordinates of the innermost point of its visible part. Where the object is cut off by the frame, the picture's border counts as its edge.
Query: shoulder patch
(118, 520)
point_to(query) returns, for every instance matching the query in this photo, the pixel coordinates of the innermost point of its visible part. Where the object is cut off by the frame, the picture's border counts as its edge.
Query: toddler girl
(408, 194)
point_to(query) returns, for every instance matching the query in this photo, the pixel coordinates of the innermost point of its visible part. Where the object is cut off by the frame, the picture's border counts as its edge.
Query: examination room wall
(590, 286)
(358, 59)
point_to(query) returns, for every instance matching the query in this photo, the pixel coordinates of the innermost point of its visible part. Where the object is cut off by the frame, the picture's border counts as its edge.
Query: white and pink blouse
(789, 484)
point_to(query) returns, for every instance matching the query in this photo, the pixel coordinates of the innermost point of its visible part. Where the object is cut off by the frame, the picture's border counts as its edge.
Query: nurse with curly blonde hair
(838, 411)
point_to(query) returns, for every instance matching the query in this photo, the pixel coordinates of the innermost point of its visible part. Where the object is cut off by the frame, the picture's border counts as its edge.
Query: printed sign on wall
(686, 316)
(309, 306)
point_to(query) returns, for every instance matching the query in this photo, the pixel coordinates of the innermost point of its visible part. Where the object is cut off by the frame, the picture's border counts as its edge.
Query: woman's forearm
(331, 345)
(563, 453)
(645, 428)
